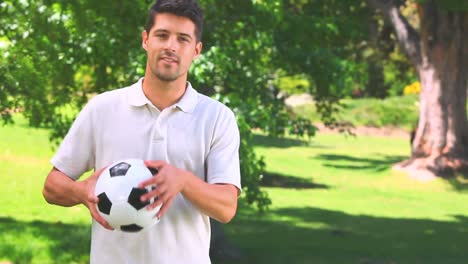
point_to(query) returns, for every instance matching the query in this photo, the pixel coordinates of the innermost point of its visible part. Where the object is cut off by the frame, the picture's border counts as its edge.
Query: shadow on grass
(42, 242)
(459, 182)
(267, 141)
(288, 235)
(381, 162)
(314, 235)
(378, 163)
(286, 181)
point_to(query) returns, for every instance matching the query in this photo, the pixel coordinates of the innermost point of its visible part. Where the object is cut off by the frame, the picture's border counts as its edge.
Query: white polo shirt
(197, 134)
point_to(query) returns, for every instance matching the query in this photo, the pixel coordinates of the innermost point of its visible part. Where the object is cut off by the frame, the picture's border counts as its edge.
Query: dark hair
(183, 8)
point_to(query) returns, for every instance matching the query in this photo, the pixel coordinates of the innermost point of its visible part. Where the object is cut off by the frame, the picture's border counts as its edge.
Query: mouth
(169, 59)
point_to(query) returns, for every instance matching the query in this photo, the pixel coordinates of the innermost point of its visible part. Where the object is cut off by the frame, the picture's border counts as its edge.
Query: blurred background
(352, 115)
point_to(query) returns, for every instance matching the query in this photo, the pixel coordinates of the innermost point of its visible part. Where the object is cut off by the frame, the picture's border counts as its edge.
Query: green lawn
(335, 200)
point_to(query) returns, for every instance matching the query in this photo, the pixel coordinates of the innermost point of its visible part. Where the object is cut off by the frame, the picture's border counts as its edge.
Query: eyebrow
(167, 31)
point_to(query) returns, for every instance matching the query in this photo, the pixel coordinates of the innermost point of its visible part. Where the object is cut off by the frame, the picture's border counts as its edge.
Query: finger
(104, 223)
(161, 200)
(95, 214)
(92, 198)
(98, 172)
(157, 202)
(154, 193)
(164, 208)
(155, 180)
(91, 185)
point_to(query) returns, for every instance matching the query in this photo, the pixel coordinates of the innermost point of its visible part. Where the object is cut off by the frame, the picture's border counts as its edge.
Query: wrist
(185, 182)
(79, 191)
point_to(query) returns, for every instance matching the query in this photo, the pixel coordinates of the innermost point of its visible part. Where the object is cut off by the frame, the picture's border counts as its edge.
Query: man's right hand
(90, 200)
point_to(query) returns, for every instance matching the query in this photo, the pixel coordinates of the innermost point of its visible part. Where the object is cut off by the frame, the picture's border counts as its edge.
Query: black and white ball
(119, 196)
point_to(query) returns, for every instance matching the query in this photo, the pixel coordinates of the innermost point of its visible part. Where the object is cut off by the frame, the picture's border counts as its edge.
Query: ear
(198, 48)
(144, 39)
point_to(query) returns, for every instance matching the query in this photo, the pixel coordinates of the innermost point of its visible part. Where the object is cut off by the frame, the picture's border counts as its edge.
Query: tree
(438, 49)
(318, 39)
(54, 60)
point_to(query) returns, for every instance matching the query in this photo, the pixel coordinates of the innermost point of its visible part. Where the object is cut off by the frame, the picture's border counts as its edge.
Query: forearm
(61, 190)
(218, 201)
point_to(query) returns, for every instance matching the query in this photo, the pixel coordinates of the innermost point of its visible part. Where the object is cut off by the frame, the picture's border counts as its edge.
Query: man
(191, 139)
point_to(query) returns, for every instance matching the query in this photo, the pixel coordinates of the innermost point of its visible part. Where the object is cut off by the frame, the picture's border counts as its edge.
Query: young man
(191, 139)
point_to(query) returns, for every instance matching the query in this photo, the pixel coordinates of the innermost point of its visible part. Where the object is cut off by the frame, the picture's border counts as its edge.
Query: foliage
(414, 88)
(398, 72)
(398, 111)
(252, 165)
(244, 46)
(56, 59)
(317, 39)
(302, 127)
(52, 43)
(293, 84)
(451, 5)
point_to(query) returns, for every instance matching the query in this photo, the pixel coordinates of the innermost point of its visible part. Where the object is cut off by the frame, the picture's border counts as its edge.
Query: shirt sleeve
(75, 154)
(223, 159)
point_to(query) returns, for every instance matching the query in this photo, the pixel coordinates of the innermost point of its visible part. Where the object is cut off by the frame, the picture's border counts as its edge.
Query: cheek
(152, 54)
(188, 57)
(151, 47)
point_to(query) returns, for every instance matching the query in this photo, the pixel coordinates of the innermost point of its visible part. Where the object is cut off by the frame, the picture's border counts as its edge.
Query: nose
(171, 43)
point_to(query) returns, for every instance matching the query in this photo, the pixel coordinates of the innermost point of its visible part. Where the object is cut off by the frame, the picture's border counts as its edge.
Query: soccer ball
(119, 196)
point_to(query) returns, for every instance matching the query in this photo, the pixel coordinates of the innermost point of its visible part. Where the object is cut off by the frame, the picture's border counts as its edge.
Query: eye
(161, 36)
(184, 39)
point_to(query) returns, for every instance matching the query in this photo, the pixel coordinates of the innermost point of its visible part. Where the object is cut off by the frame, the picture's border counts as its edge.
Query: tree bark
(375, 86)
(441, 140)
(440, 54)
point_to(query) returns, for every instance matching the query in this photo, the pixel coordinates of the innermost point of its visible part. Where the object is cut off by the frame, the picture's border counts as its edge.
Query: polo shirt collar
(136, 97)
(187, 103)
(189, 100)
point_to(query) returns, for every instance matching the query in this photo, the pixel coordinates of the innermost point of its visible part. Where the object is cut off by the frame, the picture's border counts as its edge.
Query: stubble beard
(165, 75)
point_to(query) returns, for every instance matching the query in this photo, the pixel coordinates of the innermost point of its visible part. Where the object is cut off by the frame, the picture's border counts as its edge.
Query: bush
(414, 88)
(399, 111)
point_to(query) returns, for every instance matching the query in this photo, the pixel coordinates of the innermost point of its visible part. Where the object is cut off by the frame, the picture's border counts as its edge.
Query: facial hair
(167, 77)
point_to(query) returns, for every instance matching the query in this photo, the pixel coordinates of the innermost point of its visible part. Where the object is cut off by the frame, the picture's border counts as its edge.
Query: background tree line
(57, 54)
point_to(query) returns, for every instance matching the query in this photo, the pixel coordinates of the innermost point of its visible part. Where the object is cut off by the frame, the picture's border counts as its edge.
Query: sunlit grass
(335, 200)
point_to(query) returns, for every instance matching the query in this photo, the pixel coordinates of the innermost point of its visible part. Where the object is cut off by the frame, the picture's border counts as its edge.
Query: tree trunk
(440, 146)
(439, 53)
(381, 43)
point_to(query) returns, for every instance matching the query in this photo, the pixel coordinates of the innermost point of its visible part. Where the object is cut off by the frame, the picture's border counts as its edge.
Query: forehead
(173, 23)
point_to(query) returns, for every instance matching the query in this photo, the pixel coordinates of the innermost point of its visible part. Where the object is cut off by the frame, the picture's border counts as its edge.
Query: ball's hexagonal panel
(131, 228)
(104, 204)
(119, 169)
(154, 171)
(134, 198)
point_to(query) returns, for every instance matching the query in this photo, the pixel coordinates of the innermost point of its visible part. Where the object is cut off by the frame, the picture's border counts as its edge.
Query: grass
(335, 200)
(350, 207)
(401, 111)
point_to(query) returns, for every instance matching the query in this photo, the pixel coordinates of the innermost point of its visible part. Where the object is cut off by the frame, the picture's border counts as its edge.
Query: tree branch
(406, 35)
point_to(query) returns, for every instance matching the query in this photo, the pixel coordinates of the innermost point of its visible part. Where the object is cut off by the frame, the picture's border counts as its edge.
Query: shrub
(414, 88)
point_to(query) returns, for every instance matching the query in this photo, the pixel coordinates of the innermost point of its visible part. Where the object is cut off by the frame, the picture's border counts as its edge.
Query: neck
(163, 94)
